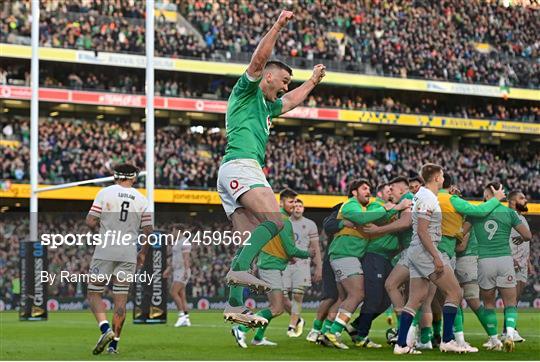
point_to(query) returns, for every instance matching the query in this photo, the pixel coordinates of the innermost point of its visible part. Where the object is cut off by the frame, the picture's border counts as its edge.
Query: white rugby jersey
(520, 252)
(304, 229)
(122, 211)
(426, 206)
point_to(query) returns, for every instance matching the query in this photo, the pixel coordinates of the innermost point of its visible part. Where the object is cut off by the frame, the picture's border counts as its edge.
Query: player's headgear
(125, 171)
(355, 184)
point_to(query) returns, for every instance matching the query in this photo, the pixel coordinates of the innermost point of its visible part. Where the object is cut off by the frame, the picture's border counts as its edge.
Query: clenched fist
(284, 18)
(319, 71)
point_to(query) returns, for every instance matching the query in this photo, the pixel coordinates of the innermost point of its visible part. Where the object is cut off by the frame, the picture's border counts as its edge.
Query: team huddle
(417, 246)
(399, 249)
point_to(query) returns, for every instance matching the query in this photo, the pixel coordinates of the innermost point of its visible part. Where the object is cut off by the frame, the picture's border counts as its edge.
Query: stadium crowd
(177, 85)
(185, 158)
(209, 263)
(471, 42)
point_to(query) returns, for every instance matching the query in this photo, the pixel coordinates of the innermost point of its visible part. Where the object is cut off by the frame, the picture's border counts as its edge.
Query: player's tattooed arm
(266, 45)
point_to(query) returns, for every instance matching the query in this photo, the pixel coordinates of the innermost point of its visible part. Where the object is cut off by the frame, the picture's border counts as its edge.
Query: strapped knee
(471, 291)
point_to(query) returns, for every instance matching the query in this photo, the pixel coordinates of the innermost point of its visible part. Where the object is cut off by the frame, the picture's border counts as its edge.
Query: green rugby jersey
(248, 120)
(275, 255)
(493, 232)
(386, 245)
(349, 241)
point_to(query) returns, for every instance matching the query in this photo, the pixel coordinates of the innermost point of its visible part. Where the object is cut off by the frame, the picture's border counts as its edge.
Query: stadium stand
(470, 42)
(179, 85)
(79, 150)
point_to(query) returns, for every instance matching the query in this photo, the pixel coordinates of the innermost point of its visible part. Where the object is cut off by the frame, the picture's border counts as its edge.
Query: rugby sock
(406, 317)
(437, 327)
(104, 326)
(265, 313)
(458, 323)
(398, 321)
(114, 342)
(417, 318)
(236, 296)
(327, 324)
(317, 325)
(481, 315)
(341, 321)
(258, 239)
(425, 334)
(449, 316)
(491, 322)
(510, 318)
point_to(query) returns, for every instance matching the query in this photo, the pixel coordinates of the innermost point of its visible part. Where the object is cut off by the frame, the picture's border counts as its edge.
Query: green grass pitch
(72, 335)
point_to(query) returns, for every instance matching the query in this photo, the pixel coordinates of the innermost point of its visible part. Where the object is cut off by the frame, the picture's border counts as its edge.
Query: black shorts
(329, 286)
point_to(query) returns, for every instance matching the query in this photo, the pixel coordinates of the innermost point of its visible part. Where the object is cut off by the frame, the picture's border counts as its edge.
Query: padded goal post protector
(32, 261)
(150, 300)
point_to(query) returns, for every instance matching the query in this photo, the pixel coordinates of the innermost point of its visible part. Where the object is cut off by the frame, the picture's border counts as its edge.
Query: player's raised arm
(266, 45)
(297, 96)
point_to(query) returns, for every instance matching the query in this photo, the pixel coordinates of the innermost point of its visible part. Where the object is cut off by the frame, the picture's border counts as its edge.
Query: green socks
(437, 327)
(490, 318)
(265, 313)
(236, 296)
(426, 333)
(327, 324)
(510, 317)
(417, 318)
(242, 261)
(337, 328)
(458, 322)
(317, 325)
(258, 239)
